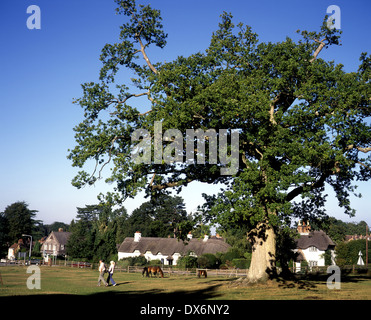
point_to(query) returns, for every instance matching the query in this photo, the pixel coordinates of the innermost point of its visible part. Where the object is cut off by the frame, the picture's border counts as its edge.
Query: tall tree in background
(96, 231)
(302, 123)
(19, 219)
(160, 217)
(4, 238)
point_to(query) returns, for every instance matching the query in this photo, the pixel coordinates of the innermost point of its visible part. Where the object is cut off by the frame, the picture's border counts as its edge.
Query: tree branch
(319, 49)
(131, 96)
(142, 47)
(299, 190)
(168, 184)
(364, 150)
(364, 165)
(283, 97)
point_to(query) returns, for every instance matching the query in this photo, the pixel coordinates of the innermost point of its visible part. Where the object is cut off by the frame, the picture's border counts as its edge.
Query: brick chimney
(303, 228)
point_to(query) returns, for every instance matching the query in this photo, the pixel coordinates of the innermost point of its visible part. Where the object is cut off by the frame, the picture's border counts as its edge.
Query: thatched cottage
(169, 250)
(312, 245)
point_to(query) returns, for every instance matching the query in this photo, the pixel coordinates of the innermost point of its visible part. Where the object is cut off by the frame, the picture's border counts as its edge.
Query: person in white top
(110, 273)
(102, 269)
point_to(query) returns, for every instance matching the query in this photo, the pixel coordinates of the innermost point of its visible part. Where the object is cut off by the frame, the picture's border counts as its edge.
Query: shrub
(208, 260)
(241, 263)
(155, 262)
(133, 261)
(187, 262)
(232, 253)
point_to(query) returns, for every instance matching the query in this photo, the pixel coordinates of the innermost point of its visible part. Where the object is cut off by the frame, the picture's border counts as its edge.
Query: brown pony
(202, 273)
(151, 270)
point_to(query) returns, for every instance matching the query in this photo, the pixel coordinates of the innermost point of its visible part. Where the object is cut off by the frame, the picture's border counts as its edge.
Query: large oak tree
(302, 122)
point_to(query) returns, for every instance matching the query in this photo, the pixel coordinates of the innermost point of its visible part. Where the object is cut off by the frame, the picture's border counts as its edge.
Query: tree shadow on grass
(160, 295)
(132, 298)
(311, 281)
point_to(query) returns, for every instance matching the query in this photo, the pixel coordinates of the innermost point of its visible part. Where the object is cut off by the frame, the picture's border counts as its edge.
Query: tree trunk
(263, 253)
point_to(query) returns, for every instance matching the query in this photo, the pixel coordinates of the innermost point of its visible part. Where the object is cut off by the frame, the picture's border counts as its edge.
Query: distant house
(357, 237)
(312, 245)
(14, 249)
(55, 243)
(169, 250)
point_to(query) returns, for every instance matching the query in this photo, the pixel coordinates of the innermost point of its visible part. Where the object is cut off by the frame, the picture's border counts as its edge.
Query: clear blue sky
(41, 73)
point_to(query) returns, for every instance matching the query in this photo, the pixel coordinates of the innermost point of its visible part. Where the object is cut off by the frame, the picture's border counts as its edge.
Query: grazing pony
(201, 273)
(152, 271)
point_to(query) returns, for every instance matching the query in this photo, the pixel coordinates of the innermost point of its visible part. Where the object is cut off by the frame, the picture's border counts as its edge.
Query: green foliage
(187, 261)
(347, 252)
(241, 263)
(133, 261)
(209, 261)
(94, 233)
(4, 237)
(98, 228)
(302, 121)
(327, 256)
(285, 244)
(19, 220)
(162, 216)
(337, 229)
(155, 262)
(55, 226)
(231, 254)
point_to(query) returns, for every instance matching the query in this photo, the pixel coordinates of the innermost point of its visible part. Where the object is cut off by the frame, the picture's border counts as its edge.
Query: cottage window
(312, 249)
(313, 263)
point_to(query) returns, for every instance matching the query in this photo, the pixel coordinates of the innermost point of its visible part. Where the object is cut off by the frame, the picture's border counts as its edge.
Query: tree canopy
(99, 228)
(18, 220)
(302, 122)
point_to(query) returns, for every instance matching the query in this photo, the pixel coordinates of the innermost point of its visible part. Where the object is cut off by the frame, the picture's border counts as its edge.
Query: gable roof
(318, 239)
(169, 246)
(60, 237)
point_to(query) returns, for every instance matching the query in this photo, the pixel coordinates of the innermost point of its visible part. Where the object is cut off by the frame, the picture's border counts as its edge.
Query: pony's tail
(162, 274)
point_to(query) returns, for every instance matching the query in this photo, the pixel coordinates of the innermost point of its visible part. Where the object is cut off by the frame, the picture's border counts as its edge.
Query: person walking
(102, 269)
(110, 273)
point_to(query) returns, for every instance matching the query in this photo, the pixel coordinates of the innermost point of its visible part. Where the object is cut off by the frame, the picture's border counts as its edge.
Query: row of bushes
(231, 259)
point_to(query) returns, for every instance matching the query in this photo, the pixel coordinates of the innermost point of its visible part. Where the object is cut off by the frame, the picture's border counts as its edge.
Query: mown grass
(83, 282)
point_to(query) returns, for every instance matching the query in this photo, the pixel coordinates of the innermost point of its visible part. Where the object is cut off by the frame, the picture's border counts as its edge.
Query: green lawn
(72, 281)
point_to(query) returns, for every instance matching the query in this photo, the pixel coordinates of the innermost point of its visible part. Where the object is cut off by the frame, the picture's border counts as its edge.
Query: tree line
(98, 229)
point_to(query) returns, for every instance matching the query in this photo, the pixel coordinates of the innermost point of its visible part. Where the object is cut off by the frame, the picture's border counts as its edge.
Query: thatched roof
(169, 246)
(318, 239)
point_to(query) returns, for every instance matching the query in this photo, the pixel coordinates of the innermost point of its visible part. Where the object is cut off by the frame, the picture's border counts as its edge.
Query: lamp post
(29, 254)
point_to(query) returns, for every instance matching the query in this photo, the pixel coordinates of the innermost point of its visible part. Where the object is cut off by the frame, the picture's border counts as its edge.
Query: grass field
(83, 282)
